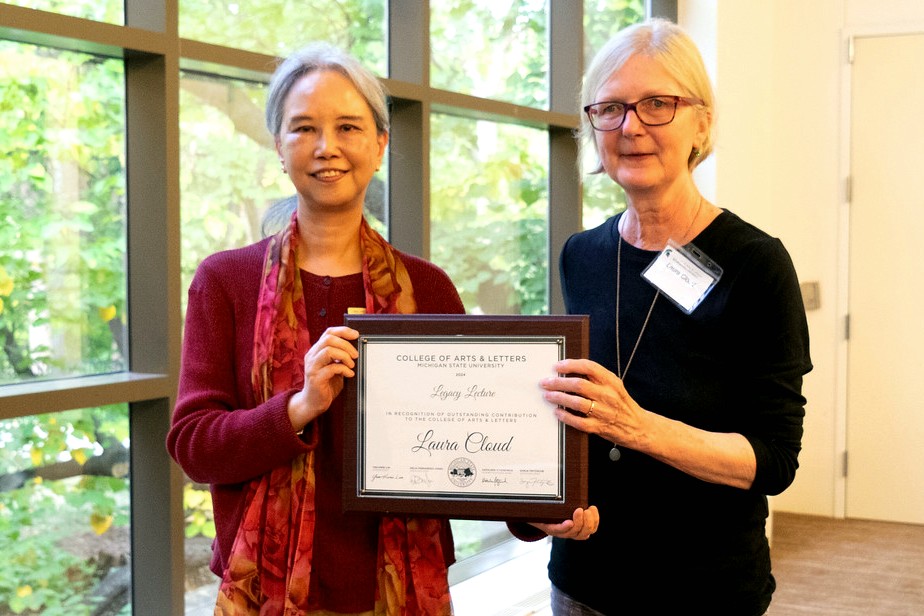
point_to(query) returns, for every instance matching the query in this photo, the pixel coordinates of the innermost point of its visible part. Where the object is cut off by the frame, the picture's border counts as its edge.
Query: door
(885, 361)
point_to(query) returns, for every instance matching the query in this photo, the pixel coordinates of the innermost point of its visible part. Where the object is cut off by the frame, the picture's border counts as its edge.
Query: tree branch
(113, 462)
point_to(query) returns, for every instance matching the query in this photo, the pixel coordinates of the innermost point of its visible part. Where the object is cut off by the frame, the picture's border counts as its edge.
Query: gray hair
(669, 45)
(321, 57)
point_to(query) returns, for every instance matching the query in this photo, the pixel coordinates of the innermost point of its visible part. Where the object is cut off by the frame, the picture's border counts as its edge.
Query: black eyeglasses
(651, 111)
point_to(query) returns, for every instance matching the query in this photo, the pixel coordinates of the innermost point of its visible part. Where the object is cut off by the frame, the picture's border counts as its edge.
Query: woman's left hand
(593, 399)
(597, 399)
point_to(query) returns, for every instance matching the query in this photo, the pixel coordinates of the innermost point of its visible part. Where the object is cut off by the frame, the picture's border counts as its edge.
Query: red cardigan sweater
(220, 436)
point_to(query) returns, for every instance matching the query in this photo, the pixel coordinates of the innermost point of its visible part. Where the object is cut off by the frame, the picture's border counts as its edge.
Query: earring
(696, 152)
(283, 165)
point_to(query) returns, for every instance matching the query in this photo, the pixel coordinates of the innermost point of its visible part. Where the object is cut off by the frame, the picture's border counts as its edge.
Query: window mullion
(409, 150)
(153, 265)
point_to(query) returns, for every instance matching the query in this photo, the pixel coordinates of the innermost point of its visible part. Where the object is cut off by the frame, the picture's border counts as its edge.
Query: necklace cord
(620, 372)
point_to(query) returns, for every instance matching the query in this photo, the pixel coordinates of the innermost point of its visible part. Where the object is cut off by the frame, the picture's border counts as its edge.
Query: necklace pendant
(615, 454)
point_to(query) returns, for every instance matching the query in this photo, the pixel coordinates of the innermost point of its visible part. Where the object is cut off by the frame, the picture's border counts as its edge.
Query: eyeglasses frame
(632, 107)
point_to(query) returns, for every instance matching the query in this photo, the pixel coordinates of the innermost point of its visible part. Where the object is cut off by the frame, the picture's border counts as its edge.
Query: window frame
(154, 55)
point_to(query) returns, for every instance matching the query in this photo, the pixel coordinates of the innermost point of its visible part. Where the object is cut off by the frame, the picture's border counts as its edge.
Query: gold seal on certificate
(446, 417)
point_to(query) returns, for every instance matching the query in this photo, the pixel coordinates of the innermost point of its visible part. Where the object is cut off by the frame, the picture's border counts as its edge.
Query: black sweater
(669, 543)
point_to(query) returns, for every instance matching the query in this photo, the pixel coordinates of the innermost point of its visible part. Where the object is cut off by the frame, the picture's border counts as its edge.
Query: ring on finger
(590, 411)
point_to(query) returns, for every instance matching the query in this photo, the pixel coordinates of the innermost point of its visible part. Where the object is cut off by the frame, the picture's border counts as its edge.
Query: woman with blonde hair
(698, 346)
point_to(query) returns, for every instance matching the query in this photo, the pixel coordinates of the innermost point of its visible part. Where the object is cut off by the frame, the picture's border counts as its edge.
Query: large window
(133, 146)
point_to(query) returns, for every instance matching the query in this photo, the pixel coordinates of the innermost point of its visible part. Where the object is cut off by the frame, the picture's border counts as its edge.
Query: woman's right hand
(583, 524)
(331, 359)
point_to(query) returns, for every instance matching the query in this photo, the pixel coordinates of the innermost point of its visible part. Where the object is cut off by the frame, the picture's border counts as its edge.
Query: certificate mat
(446, 417)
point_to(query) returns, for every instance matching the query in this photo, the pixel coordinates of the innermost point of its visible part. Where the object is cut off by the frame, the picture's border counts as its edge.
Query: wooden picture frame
(445, 417)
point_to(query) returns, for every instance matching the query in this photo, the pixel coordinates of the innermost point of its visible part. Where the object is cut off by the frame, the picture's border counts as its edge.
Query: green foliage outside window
(276, 27)
(489, 212)
(229, 172)
(64, 511)
(468, 37)
(108, 11)
(62, 207)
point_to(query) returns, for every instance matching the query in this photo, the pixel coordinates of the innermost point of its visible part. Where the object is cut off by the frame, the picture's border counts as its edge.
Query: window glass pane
(108, 11)
(489, 213)
(602, 18)
(494, 49)
(201, 584)
(474, 536)
(602, 196)
(473, 540)
(62, 207)
(276, 27)
(64, 513)
(229, 172)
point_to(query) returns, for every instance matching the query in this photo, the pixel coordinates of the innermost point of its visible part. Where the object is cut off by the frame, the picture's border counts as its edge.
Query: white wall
(777, 164)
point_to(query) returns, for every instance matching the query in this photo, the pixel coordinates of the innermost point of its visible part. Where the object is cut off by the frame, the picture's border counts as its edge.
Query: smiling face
(328, 143)
(648, 159)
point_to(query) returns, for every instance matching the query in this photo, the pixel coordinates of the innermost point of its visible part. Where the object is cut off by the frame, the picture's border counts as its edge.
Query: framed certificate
(446, 417)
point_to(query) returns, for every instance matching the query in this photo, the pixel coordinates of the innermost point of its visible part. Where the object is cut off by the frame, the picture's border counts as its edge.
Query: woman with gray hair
(698, 346)
(259, 414)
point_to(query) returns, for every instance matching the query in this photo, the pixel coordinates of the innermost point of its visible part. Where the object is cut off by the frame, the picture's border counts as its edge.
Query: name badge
(684, 274)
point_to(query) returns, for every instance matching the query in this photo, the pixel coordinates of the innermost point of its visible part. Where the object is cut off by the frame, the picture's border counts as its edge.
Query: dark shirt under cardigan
(220, 436)
(669, 543)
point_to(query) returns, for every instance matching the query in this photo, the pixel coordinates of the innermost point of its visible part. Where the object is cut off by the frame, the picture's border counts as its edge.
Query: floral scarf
(271, 561)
